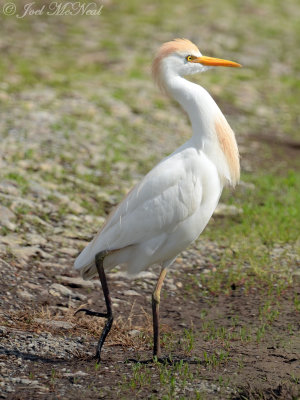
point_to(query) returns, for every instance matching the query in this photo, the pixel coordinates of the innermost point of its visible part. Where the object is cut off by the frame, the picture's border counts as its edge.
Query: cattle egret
(170, 207)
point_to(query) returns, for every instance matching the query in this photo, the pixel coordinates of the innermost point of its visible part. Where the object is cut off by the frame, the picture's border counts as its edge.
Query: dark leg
(155, 313)
(156, 334)
(99, 265)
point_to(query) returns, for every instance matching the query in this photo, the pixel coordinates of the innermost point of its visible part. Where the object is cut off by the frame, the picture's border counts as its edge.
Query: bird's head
(182, 57)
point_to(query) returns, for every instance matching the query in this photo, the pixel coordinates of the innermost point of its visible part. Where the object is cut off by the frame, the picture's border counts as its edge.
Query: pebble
(9, 187)
(224, 210)
(77, 373)
(69, 251)
(134, 333)
(296, 276)
(35, 220)
(76, 208)
(117, 283)
(131, 292)
(38, 190)
(56, 289)
(171, 286)
(147, 275)
(24, 381)
(11, 240)
(25, 252)
(246, 185)
(75, 282)
(33, 286)
(35, 239)
(119, 275)
(6, 217)
(55, 324)
(25, 295)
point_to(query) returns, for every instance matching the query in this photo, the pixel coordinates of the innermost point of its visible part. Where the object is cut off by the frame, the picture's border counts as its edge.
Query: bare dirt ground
(46, 352)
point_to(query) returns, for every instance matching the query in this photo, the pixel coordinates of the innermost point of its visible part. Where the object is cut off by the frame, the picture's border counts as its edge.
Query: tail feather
(85, 262)
(88, 271)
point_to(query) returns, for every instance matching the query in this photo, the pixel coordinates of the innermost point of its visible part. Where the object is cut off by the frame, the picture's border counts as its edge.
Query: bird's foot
(92, 313)
(105, 330)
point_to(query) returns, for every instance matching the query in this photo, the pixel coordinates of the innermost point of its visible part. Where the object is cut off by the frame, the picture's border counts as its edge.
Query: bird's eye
(189, 58)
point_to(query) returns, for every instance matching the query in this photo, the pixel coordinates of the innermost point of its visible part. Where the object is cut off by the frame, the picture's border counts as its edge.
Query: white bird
(173, 203)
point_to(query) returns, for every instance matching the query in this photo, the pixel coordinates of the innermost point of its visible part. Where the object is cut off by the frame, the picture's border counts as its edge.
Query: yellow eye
(189, 58)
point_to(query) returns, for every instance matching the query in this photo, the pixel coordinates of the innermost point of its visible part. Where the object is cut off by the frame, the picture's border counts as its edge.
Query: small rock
(77, 373)
(11, 240)
(24, 381)
(79, 296)
(58, 290)
(179, 284)
(134, 333)
(171, 286)
(55, 324)
(35, 239)
(296, 277)
(90, 219)
(16, 202)
(141, 275)
(35, 220)
(3, 331)
(26, 252)
(33, 286)
(69, 251)
(38, 190)
(75, 282)
(76, 208)
(146, 275)
(26, 295)
(9, 187)
(131, 293)
(48, 167)
(119, 275)
(246, 185)
(117, 283)
(116, 300)
(5, 218)
(224, 210)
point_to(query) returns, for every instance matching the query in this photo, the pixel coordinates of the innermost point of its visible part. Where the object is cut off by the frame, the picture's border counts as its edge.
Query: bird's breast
(201, 192)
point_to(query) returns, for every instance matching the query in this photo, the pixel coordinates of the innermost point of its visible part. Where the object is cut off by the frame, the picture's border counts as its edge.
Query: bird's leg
(99, 264)
(99, 258)
(155, 313)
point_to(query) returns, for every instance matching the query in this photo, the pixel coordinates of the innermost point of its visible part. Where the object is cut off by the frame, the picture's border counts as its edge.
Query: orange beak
(215, 62)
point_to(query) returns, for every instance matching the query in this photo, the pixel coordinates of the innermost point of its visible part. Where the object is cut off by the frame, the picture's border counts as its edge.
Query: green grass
(169, 380)
(270, 219)
(271, 211)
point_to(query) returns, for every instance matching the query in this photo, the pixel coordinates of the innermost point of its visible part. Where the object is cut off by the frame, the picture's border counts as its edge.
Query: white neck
(211, 132)
(198, 104)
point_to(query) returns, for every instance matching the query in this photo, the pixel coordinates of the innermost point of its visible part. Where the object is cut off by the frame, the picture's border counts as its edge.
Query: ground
(81, 122)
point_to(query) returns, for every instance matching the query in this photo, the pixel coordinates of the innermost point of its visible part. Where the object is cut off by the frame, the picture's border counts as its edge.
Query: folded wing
(165, 197)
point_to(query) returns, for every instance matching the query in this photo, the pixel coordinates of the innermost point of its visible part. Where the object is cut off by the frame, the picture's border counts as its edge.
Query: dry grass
(123, 332)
